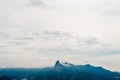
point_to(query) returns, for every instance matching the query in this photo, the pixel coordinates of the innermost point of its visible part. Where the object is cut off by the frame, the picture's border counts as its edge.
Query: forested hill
(61, 71)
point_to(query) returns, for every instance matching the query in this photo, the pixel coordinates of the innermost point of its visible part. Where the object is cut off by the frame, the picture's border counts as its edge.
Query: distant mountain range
(61, 71)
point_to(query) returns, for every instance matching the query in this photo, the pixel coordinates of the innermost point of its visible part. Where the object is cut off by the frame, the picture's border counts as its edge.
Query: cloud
(6, 14)
(58, 50)
(109, 7)
(92, 41)
(36, 3)
(18, 43)
(47, 45)
(1, 46)
(108, 51)
(4, 52)
(60, 42)
(56, 42)
(57, 34)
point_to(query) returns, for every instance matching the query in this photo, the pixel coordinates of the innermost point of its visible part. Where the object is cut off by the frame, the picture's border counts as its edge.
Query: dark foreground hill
(61, 71)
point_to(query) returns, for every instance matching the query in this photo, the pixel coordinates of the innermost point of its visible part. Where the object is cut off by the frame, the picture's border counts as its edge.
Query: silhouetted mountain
(61, 71)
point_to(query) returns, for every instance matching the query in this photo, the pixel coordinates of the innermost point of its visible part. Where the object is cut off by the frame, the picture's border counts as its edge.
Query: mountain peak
(57, 62)
(58, 66)
(65, 64)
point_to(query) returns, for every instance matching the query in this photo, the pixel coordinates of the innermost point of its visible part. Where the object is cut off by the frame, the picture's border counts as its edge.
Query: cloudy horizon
(36, 33)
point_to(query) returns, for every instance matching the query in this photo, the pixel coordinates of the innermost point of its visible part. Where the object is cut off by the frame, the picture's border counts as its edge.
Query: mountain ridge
(60, 71)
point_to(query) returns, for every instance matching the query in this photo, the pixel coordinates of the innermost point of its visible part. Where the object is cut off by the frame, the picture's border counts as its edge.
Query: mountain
(61, 71)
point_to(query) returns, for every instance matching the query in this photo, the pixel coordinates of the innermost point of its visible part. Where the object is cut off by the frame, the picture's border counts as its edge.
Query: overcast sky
(36, 33)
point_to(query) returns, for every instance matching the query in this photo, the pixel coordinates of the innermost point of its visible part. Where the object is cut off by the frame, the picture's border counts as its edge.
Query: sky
(36, 33)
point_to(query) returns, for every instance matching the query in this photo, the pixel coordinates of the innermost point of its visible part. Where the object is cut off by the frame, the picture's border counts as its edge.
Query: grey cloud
(28, 48)
(58, 43)
(2, 52)
(15, 37)
(18, 42)
(36, 3)
(92, 41)
(4, 35)
(68, 51)
(66, 37)
(6, 13)
(58, 50)
(1, 46)
(64, 50)
(23, 38)
(109, 51)
(57, 33)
